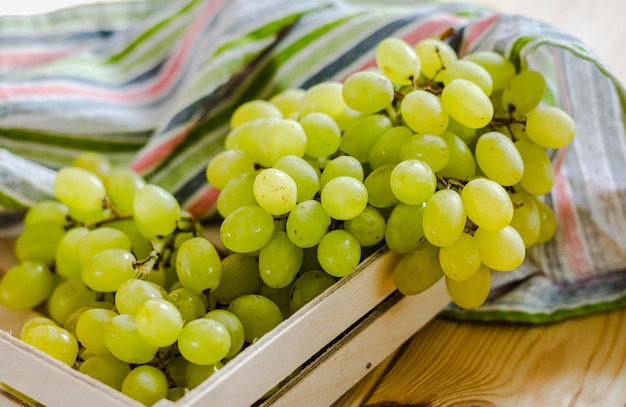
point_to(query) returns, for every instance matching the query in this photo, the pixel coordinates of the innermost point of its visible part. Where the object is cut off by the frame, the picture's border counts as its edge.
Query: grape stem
(449, 183)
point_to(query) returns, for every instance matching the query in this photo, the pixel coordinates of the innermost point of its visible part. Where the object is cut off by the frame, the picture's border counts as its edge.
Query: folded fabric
(152, 84)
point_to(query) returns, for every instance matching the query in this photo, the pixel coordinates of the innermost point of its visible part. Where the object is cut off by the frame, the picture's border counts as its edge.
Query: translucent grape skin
(550, 127)
(471, 71)
(526, 218)
(435, 56)
(413, 182)
(258, 315)
(279, 261)
(387, 149)
(26, 285)
(322, 134)
(121, 185)
(107, 270)
(67, 297)
(146, 384)
(39, 242)
(397, 60)
(304, 175)
(472, 292)
(523, 92)
(423, 112)
(547, 222)
(309, 285)
(466, 103)
(343, 165)
(240, 276)
(189, 303)
(132, 293)
(226, 165)
(275, 191)
(67, 261)
(307, 223)
(502, 250)
(359, 139)
(234, 327)
(124, 341)
(79, 189)
(100, 239)
(287, 102)
(500, 69)
(378, 185)
(252, 110)
(367, 92)
(107, 369)
(156, 210)
(247, 229)
(324, 97)
(368, 228)
(46, 211)
(487, 203)
(159, 322)
(444, 218)
(498, 158)
(344, 197)
(418, 270)
(460, 260)
(237, 193)
(198, 265)
(428, 148)
(53, 340)
(90, 329)
(404, 231)
(339, 253)
(538, 177)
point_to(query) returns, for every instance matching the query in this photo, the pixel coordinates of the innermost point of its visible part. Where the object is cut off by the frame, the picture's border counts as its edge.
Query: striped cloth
(152, 84)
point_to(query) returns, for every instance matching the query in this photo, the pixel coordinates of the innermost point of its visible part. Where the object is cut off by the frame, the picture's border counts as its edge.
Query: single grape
(121, 185)
(343, 165)
(387, 149)
(368, 228)
(204, 341)
(281, 138)
(487, 204)
(288, 102)
(423, 112)
(35, 321)
(466, 103)
(234, 327)
(344, 197)
(367, 92)
(198, 265)
(378, 185)
(247, 137)
(98, 240)
(550, 127)
(444, 218)
(322, 134)
(413, 182)
(240, 276)
(124, 341)
(325, 97)
(526, 218)
(428, 148)
(359, 139)
(53, 340)
(67, 260)
(404, 230)
(435, 56)
(279, 260)
(500, 69)
(523, 92)
(308, 286)
(67, 298)
(79, 189)
(498, 158)
(107, 270)
(252, 110)
(26, 285)
(307, 223)
(547, 222)
(461, 165)
(46, 211)
(275, 191)
(159, 322)
(257, 314)
(196, 374)
(90, 328)
(237, 193)
(473, 292)
(471, 71)
(146, 384)
(460, 260)
(93, 162)
(226, 165)
(397, 61)
(538, 177)
(156, 210)
(39, 242)
(303, 174)
(339, 253)
(107, 369)
(132, 293)
(247, 229)
(502, 250)
(418, 270)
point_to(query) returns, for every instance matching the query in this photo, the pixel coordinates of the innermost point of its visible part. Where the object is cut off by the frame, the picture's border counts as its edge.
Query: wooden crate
(336, 340)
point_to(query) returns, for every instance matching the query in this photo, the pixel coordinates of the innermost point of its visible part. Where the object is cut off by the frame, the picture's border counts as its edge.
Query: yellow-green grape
(460, 260)
(196, 374)
(107, 270)
(523, 93)
(304, 175)
(378, 185)
(423, 112)
(500, 68)
(68, 297)
(177, 393)
(473, 292)
(140, 245)
(159, 322)
(281, 138)
(502, 250)
(461, 165)
(466, 103)
(324, 97)
(240, 276)
(53, 340)
(339, 253)
(237, 193)
(35, 321)
(92, 217)
(347, 117)
(322, 134)
(121, 186)
(538, 177)
(308, 286)
(39, 242)
(404, 231)
(146, 384)
(175, 369)
(387, 150)
(79, 189)
(107, 369)
(26, 285)
(275, 191)
(98, 240)
(359, 139)
(307, 223)
(367, 92)
(471, 71)
(344, 165)
(526, 219)
(550, 127)
(397, 61)
(226, 165)
(547, 222)
(487, 204)
(368, 228)
(198, 265)
(428, 148)
(90, 328)
(463, 132)
(498, 158)
(247, 229)
(124, 341)
(234, 327)
(190, 304)
(156, 211)
(413, 182)
(418, 270)
(344, 197)
(257, 314)
(444, 218)
(279, 261)
(132, 293)
(435, 56)
(247, 137)
(288, 102)
(46, 211)
(93, 162)
(252, 110)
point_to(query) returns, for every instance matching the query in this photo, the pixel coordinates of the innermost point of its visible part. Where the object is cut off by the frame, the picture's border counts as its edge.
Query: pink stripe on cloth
(25, 59)
(477, 30)
(203, 202)
(153, 155)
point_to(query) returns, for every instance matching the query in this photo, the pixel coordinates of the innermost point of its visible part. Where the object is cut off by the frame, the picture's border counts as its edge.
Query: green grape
(418, 270)
(26, 285)
(226, 165)
(175, 369)
(246, 137)
(325, 97)
(367, 92)
(466, 103)
(98, 240)
(460, 260)
(159, 322)
(322, 134)
(404, 231)
(359, 139)
(253, 110)
(35, 321)
(547, 222)
(107, 369)
(526, 219)
(257, 314)
(280, 296)
(275, 191)
(428, 148)
(344, 197)
(146, 384)
(247, 229)
(444, 218)
(139, 244)
(423, 112)
(53, 340)
(237, 193)
(308, 286)
(279, 261)
(487, 204)
(500, 69)
(189, 303)
(304, 175)
(378, 185)
(124, 341)
(498, 158)
(92, 217)
(198, 265)
(413, 182)
(68, 264)
(550, 127)
(93, 162)
(397, 61)
(461, 165)
(502, 250)
(288, 101)
(339, 253)
(176, 393)
(68, 297)
(121, 185)
(90, 328)
(281, 138)
(347, 117)
(79, 189)
(471, 71)
(156, 211)
(240, 276)
(196, 374)
(204, 341)
(368, 228)
(46, 211)
(387, 149)
(132, 293)
(538, 177)
(234, 327)
(72, 319)
(463, 132)
(344, 165)
(39, 242)
(107, 270)
(307, 223)
(435, 56)
(473, 292)
(523, 93)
